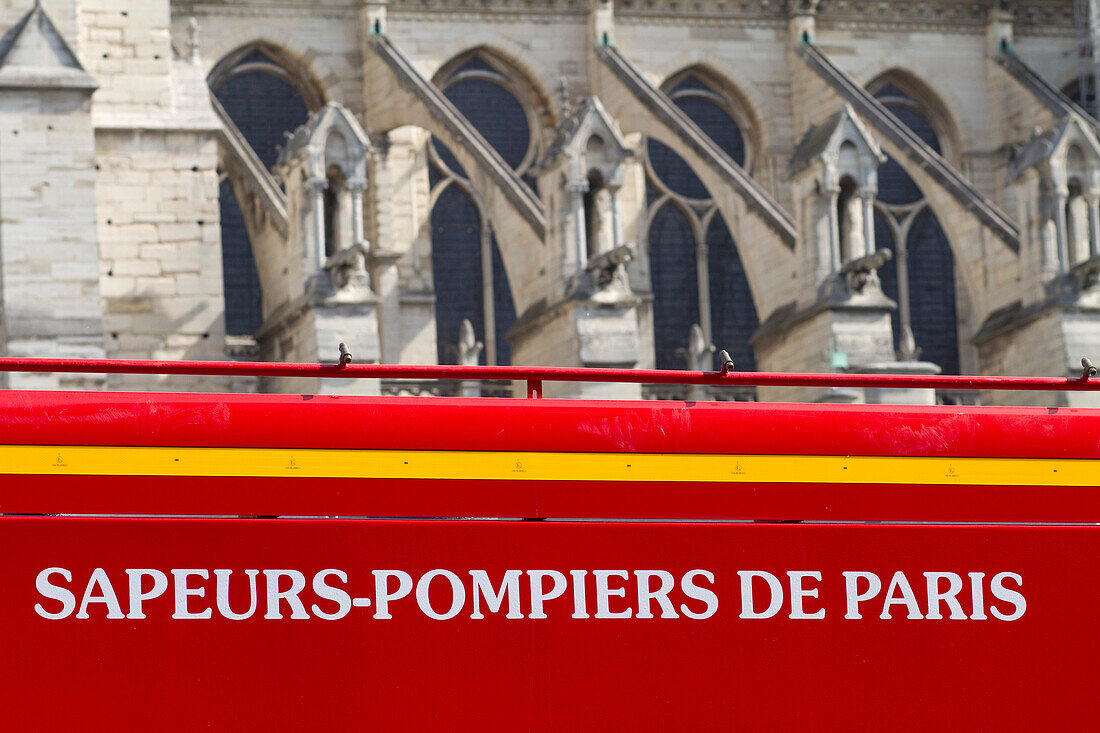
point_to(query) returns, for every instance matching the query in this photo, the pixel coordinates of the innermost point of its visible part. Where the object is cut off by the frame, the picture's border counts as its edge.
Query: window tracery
(920, 278)
(468, 271)
(265, 101)
(695, 270)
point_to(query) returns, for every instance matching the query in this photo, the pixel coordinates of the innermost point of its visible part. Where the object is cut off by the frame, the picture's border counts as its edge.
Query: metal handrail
(534, 376)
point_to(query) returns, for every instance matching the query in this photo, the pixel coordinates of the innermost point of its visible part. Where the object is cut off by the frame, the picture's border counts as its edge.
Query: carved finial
(193, 38)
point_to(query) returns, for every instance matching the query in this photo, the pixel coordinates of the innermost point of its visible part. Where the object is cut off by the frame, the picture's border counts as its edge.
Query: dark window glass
(895, 186)
(932, 293)
(691, 82)
(496, 114)
(448, 158)
(263, 107)
(905, 109)
(476, 63)
(243, 305)
(675, 284)
(716, 123)
(674, 171)
(931, 289)
(456, 271)
(732, 312)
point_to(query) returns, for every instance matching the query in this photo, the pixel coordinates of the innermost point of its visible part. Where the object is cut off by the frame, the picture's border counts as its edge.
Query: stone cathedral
(811, 185)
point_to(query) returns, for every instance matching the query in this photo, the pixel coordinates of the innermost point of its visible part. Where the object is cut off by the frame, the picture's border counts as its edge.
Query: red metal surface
(297, 422)
(413, 672)
(429, 423)
(81, 655)
(541, 374)
(329, 497)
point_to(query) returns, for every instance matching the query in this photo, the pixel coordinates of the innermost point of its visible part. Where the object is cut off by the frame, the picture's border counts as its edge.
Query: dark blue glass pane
(673, 171)
(434, 175)
(932, 293)
(448, 158)
(475, 63)
(913, 119)
(895, 186)
(732, 311)
(717, 124)
(243, 306)
(691, 82)
(263, 107)
(532, 183)
(456, 271)
(931, 289)
(504, 310)
(918, 124)
(496, 114)
(675, 285)
(891, 91)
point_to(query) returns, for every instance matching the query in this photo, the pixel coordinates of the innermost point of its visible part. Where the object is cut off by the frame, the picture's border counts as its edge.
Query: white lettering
(604, 593)
(382, 594)
(483, 588)
(331, 593)
(798, 593)
(646, 594)
(55, 593)
(183, 592)
(936, 596)
(137, 597)
(900, 583)
(997, 588)
(698, 593)
(107, 596)
(423, 599)
(539, 594)
(274, 595)
(775, 598)
(977, 599)
(222, 593)
(580, 597)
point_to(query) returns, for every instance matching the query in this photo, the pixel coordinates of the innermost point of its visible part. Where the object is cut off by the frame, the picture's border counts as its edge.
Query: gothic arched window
(264, 101)
(694, 266)
(921, 275)
(468, 271)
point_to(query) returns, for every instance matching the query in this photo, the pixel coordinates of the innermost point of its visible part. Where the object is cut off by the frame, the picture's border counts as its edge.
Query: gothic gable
(34, 54)
(331, 136)
(1049, 150)
(844, 145)
(589, 139)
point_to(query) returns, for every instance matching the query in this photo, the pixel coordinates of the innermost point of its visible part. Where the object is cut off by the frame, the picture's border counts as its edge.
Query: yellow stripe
(552, 466)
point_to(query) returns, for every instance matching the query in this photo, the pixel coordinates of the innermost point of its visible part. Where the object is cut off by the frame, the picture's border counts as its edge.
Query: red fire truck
(187, 561)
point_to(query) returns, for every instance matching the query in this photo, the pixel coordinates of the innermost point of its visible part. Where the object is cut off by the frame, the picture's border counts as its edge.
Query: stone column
(1060, 198)
(317, 211)
(580, 238)
(616, 216)
(833, 196)
(355, 188)
(702, 258)
(1093, 200)
(868, 197)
